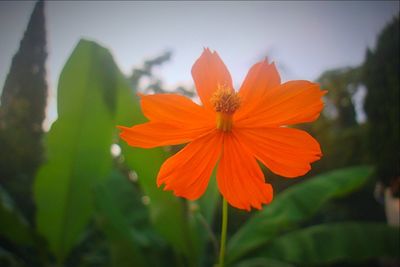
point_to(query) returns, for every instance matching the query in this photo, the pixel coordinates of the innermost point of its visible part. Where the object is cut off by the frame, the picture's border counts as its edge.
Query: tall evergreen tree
(381, 77)
(22, 111)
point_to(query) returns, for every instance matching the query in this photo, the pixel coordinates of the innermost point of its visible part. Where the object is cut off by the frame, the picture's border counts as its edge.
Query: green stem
(223, 232)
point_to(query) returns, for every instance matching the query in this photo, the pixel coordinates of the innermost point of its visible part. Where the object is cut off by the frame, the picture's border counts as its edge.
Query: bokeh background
(72, 194)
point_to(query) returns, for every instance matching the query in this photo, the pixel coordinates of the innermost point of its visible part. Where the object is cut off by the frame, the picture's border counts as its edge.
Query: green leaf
(78, 147)
(209, 201)
(124, 240)
(10, 259)
(262, 262)
(167, 213)
(13, 225)
(204, 217)
(336, 242)
(293, 206)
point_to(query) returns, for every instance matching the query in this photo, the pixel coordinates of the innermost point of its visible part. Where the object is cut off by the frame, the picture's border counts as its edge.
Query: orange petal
(175, 109)
(260, 78)
(153, 134)
(290, 103)
(239, 177)
(187, 173)
(209, 72)
(285, 151)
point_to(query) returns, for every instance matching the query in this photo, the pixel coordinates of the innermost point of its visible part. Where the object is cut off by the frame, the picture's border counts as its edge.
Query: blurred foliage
(154, 84)
(78, 147)
(337, 123)
(334, 242)
(381, 72)
(341, 85)
(377, 140)
(13, 225)
(97, 207)
(291, 208)
(22, 111)
(167, 213)
(146, 71)
(124, 239)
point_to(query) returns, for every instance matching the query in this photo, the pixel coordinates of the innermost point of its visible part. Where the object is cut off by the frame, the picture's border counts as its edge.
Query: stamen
(225, 101)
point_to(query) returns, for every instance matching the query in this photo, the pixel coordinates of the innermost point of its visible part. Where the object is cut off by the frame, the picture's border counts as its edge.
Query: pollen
(225, 100)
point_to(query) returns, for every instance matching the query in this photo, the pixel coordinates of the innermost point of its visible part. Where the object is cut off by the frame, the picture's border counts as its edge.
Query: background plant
(97, 208)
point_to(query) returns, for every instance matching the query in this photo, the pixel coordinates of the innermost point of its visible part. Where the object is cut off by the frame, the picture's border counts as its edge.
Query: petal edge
(188, 172)
(208, 72)
(285, 151)
(240, 179)
(154, 134)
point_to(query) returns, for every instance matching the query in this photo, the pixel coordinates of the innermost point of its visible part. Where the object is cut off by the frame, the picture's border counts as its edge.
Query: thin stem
(223, 232)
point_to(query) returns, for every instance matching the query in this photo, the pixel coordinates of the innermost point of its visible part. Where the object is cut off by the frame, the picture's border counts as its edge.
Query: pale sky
(303, 38)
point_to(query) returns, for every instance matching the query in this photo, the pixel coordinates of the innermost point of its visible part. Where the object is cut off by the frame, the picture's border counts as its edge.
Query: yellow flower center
(225, 101)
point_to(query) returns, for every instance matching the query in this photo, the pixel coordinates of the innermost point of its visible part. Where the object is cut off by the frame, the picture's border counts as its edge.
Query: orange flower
(233, 129)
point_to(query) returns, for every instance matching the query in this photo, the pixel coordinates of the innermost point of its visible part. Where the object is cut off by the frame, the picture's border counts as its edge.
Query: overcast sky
(303, 38)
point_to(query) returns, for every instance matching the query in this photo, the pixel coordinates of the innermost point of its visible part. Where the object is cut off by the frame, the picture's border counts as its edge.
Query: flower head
(232, 130)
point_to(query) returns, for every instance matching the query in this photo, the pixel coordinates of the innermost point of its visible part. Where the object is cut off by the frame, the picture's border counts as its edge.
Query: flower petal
(187, 173)
(153, 134)
(239, 177)
(209, 72)
(290, 103)
(174, 109)
(285, 151)
(260, 78)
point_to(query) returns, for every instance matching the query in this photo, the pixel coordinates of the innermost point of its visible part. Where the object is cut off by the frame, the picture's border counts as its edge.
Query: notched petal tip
(160, 183)
(209, 72)
(287, 152)
(206, 49)
(139, 94)
(270, 191)
(240, 179)
(273, 65)
(294, 102)
(261, 78)
(267, 192)
(123, 129)
(209, 52)
(188, 172)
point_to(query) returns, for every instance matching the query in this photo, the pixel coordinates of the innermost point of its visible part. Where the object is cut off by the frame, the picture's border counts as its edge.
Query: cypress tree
(381, 77)
(22, 111)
